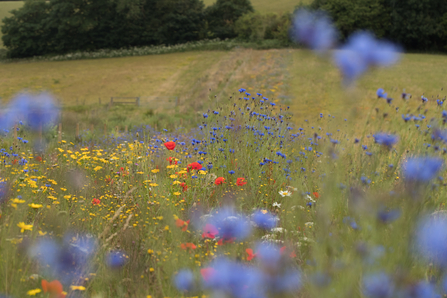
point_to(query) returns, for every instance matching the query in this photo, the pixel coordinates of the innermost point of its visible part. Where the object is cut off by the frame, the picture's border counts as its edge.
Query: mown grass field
(183, 83)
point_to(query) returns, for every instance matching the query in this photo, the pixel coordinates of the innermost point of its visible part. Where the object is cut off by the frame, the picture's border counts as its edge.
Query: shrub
(222, 16)
(256, 26)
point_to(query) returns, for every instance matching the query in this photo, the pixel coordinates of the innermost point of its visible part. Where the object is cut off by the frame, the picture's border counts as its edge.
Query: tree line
(43, 27)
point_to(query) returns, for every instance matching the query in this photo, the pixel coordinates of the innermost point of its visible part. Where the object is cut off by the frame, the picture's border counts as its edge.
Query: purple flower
(314, 29)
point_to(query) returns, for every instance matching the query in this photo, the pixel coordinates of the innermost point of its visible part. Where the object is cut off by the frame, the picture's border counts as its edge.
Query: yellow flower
(155, 171)
(35, 206)
(42, 233)
(173, 176)
(97, 168)
(167, 228)
(80, 288)
(150, 251)
(17, 201)
(176, 193)
(153, 184)
(24, 227)
(202, 172)
(33, 292)
(151, 269)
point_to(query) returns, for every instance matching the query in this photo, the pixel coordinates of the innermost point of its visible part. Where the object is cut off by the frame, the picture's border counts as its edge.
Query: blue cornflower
(205, 115)
(184, 280)
(385, 139)
(378, 285)
(387, 216)
(422, 169)
(116, 259)
(231, 172)
(215, 112)
(362, 51)
(264, 219)
(314, 29)
(230, 224)
(381, 93)
(430, 240)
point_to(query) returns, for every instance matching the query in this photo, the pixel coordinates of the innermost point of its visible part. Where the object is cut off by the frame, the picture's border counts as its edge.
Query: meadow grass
(125, 194)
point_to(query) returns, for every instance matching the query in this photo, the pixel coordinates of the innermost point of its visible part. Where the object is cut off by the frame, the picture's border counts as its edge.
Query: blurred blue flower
(269, 254)
(381, 93)
(378, 285)
(431, 244)
(289, 281)
(264, 219)
(184, 280)
(116, 259)
(230, 225)
(314, 29)
(385, 139)
(362, 51)
(235, 279)
(67, 261)
(422, 169)
(387, 216)
(37, 110)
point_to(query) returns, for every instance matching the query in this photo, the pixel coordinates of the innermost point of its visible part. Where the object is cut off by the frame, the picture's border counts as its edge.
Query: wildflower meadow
(251, 202)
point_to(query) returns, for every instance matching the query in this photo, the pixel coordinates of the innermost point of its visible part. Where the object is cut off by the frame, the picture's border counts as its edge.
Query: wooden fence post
(59, 133)
(14, 142)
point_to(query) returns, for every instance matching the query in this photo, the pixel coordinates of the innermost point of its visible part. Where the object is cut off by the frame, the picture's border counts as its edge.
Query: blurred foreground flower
(431, 240)
(314, 29)
(37, 111)
(68, 261)
(378, 285)
(385, 139)
(422, 169)
(362, 51)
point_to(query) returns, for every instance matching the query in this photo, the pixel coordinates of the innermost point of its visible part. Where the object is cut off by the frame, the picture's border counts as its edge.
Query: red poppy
(194, 166)
(170, 145)
(182, 224)
(250, 254)
(54, 288)
(283, 249)
(209, 231)
(224, 241)
(207, 273)
(14, 161)
(188, 245)
(316, 194)
(38, 158)
(172, 160)
(96, 201)
(185, 187)
(219, 180)
(241, 181)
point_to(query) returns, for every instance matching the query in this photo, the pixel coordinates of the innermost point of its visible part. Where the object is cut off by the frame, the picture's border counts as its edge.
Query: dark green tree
(418, 24)
(222, 16)
(352, 15)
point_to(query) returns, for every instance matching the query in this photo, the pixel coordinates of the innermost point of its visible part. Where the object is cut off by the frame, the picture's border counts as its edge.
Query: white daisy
(285, 193)
(276, 204)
